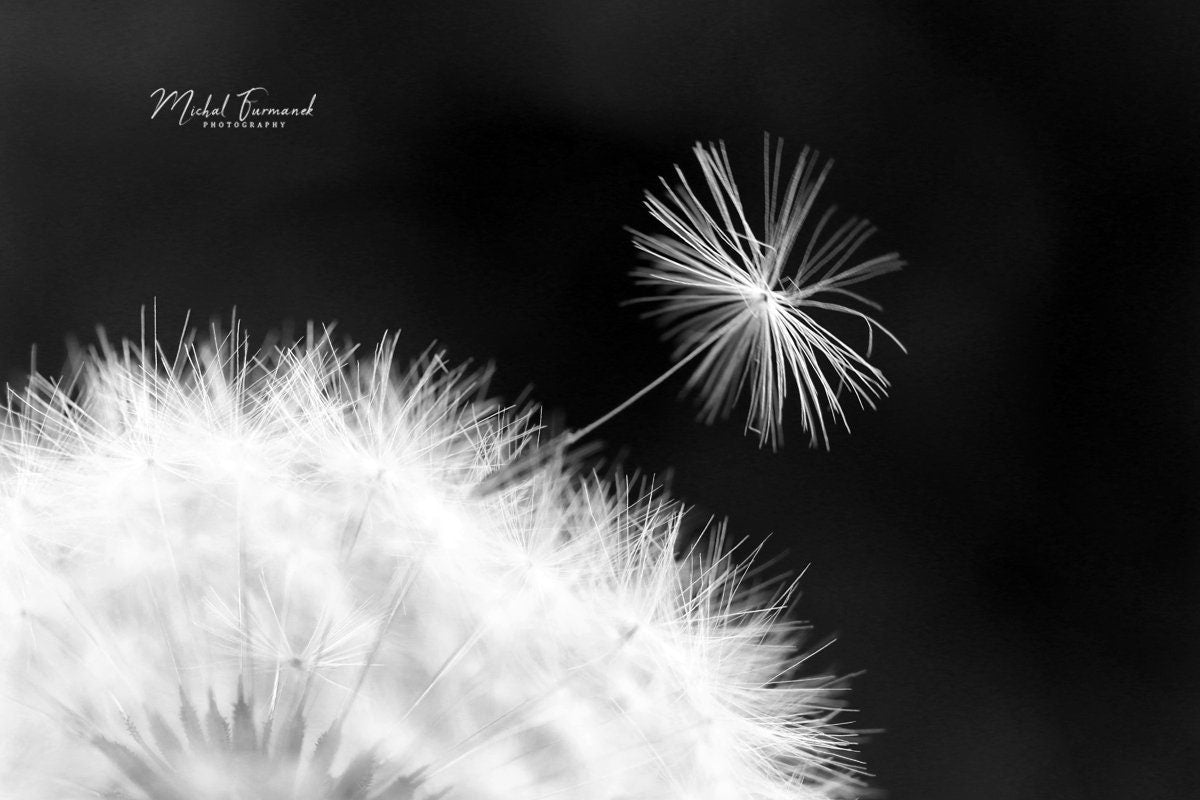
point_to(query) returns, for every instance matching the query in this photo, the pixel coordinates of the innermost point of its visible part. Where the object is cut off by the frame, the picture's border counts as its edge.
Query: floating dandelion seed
(729, 303)
(229, 575)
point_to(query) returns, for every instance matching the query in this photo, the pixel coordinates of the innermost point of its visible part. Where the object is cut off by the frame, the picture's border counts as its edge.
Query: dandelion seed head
(747, 302)
(267, 574)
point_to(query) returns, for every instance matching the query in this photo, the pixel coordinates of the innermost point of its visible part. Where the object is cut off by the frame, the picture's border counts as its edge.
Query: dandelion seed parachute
(229, 574)
(727, 301)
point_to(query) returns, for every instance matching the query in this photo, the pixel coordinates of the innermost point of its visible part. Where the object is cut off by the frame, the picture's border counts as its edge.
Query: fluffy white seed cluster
(228, 574)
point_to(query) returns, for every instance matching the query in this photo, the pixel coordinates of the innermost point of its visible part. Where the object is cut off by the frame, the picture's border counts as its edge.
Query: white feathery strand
(744, 301)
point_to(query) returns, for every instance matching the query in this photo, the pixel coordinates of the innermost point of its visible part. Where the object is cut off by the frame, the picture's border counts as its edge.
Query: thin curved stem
(575, 436)
(559, 444)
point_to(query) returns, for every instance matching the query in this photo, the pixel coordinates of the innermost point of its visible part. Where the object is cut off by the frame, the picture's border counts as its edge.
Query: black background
(1007, 547)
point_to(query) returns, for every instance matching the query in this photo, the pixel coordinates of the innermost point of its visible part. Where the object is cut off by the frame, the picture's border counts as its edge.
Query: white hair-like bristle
(746, 301)
(228, 574)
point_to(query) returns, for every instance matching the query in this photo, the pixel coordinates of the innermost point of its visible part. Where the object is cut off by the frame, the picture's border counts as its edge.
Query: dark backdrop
(1007, 548)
